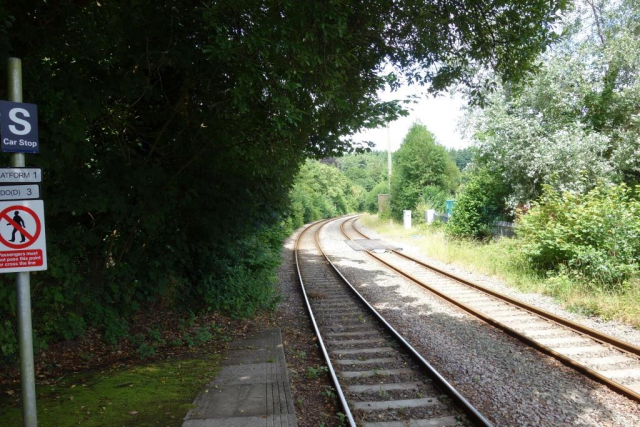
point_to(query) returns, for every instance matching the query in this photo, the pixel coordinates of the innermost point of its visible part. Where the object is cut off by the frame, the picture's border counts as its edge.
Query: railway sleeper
(374, 350)
(381, 388)
(352, 334)
(433, 422)
(397, 404)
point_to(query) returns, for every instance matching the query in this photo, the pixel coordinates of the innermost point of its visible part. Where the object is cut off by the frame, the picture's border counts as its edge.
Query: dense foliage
(575, 122)
(365, 169)
(461, 156)
(322, 191)
(369, 171)
(480, 202)
(371, 199)
(420, 166)
(565, 140)
(596, 235)
(171, 130)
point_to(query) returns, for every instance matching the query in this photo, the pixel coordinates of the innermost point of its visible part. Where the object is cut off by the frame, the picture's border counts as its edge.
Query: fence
(499, 228)
(443, 218)
(503, 229)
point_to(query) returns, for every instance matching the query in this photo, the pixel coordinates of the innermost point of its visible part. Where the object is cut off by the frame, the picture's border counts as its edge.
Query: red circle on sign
(30, 239)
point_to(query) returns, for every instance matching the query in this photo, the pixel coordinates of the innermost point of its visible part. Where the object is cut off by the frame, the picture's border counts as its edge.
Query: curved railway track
(380, 379)
(601, 357)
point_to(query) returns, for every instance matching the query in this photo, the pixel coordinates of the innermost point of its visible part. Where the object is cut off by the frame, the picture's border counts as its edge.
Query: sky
(440, 115)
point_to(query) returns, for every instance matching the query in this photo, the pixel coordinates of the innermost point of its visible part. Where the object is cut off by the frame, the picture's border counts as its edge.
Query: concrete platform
(251, 390)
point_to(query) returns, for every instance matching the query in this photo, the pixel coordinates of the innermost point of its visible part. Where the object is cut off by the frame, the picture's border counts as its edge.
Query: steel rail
(325, 353)
(583, 330)
(621, 345)
(470, 411)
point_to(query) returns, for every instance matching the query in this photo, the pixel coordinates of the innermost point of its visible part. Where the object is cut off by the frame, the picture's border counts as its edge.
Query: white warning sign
(22, 236)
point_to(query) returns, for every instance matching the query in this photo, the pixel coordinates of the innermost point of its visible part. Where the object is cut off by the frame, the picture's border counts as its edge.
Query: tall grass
(503, 259)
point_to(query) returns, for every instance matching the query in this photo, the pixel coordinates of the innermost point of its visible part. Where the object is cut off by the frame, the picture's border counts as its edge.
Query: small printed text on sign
(14, 259)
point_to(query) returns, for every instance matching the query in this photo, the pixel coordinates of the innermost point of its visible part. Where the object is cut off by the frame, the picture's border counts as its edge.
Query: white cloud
(440, 115)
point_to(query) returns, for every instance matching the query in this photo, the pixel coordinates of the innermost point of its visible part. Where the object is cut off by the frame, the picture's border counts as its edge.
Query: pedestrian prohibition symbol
(22, 236)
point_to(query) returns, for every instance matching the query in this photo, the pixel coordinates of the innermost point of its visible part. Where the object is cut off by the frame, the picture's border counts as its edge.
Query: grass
(502, 258)
(156, 394)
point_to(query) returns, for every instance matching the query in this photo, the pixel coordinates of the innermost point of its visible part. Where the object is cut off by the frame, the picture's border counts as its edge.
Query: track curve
(601, 357)
(379, 378)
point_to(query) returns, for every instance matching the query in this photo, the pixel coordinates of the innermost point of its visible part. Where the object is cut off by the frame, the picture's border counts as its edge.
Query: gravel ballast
(314, 398)
(616, 329)
(510, 383)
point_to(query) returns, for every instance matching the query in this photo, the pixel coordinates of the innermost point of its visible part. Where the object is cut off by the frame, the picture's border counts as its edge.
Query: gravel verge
(314, 397)
(510, 383)
(610, 327)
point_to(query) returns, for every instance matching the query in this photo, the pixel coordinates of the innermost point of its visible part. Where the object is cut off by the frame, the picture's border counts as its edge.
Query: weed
(328, 393)
(378, 373)
(146, 350)
(342, 418)
(189, 339)
(155, 335)
(318, 371)
(317, 295)
(203, 335)
(188, 322)
(85, 356)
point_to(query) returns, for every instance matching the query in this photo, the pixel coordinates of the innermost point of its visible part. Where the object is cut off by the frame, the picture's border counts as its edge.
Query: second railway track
(601, 357)
(380, 379)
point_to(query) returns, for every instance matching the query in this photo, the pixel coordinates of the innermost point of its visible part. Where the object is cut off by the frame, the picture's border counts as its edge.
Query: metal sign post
(25, 332)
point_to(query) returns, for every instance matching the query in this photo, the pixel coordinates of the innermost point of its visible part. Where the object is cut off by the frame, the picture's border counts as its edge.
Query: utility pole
(389, 169)
(389, 157)
(25, 330)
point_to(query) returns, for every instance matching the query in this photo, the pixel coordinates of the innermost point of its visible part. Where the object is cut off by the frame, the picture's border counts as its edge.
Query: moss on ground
(155, 394)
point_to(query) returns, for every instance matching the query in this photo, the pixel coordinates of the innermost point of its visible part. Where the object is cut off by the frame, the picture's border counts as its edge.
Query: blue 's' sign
(19, 127)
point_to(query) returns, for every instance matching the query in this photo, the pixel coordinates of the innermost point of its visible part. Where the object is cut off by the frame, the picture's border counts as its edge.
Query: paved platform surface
(252, 389)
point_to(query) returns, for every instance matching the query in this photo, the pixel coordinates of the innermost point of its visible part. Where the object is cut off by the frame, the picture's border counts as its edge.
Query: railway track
(379, 378)
(601, 357)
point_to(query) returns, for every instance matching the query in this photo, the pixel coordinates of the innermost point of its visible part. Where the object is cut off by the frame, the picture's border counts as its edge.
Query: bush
(364, 169)
(322, 191)
(434, 198)
(420, 163)
(242, 282)
(371, 202)
(480, 203)
(596, 235)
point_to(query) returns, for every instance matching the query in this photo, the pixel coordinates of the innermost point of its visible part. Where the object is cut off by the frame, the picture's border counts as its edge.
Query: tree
(371, 199)
(575, 122)
(479, 203)
(322, 191)
(366, 169)
(462, 157)
(172, 130)
(418, 164)
(592, 236)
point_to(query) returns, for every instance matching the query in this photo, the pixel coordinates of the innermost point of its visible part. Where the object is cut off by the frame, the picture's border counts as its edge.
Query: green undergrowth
(155, 394)
(504, 259)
